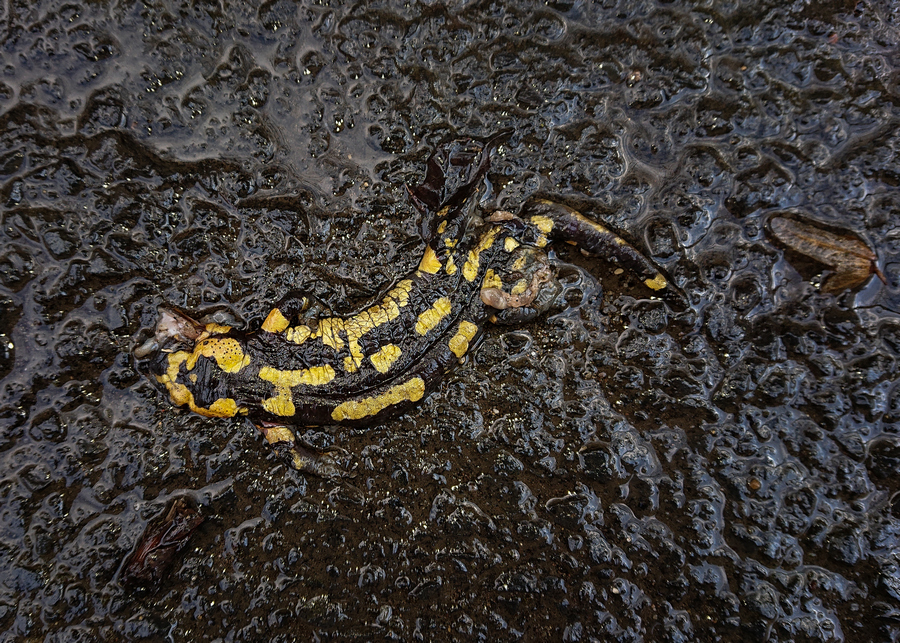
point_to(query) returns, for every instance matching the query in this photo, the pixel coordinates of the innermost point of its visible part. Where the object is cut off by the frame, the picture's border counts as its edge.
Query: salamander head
(190, 360)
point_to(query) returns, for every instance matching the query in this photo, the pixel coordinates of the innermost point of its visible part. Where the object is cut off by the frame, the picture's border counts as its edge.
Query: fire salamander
(302, 368)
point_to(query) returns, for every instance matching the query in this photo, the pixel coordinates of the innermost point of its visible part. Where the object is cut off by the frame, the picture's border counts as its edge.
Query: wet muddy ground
(623, 470)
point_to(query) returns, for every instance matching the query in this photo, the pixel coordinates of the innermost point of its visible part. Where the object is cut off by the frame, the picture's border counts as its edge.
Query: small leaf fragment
(851, 260)
(163, 539)
(454, 172)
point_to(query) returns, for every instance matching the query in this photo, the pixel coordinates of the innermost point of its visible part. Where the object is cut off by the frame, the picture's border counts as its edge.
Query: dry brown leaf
(851, 260)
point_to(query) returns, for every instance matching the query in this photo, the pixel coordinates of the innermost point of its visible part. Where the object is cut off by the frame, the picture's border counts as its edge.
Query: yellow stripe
(433, 316)
(313, 376)
(329, 331)
(175, 360)
(410, 391)
(451, 267)
(351, 365)
(223, 408)
(373, 317)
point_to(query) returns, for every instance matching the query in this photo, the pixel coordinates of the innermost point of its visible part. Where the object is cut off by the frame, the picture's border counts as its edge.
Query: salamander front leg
(296, 304)
(302, 457)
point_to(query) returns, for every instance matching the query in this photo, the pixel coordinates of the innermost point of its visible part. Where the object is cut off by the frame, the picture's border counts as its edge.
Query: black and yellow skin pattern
(303, 369)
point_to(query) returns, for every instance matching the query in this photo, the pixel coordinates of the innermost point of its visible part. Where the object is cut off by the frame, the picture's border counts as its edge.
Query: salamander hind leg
(302, 457)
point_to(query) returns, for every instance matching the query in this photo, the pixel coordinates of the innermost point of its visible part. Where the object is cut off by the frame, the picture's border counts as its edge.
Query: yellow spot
(541, 241)
(278, 434)
(193, 378)
(410, 391)
(470, 269)
(450, 243)
(443, 227)
(223, 408)
(599, 227)
(300, 462)
(520, 287)
(491, 280)
(451, 267)
(544, 224)
(383, 359)
(430, 263)
(657, 283)
(218, 329)
(459, 343)
(433, 316)
(356, 353)
(275, 322)
(281, 403)
(519, 263)
(510, 244)
(313, 376)
(227, 352)
(298, 334)
(351, 365)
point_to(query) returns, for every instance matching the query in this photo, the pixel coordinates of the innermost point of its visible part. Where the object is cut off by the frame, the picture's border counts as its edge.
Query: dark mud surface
(620, 471)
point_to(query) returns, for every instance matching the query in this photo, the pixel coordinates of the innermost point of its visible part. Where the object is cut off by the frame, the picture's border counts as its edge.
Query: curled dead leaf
(851, 260)
(163, 539)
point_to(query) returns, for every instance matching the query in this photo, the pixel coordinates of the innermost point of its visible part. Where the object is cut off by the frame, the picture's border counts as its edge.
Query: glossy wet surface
(622, 470)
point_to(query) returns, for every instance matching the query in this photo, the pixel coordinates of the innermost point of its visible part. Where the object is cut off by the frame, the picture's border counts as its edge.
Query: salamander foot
(303, 457)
